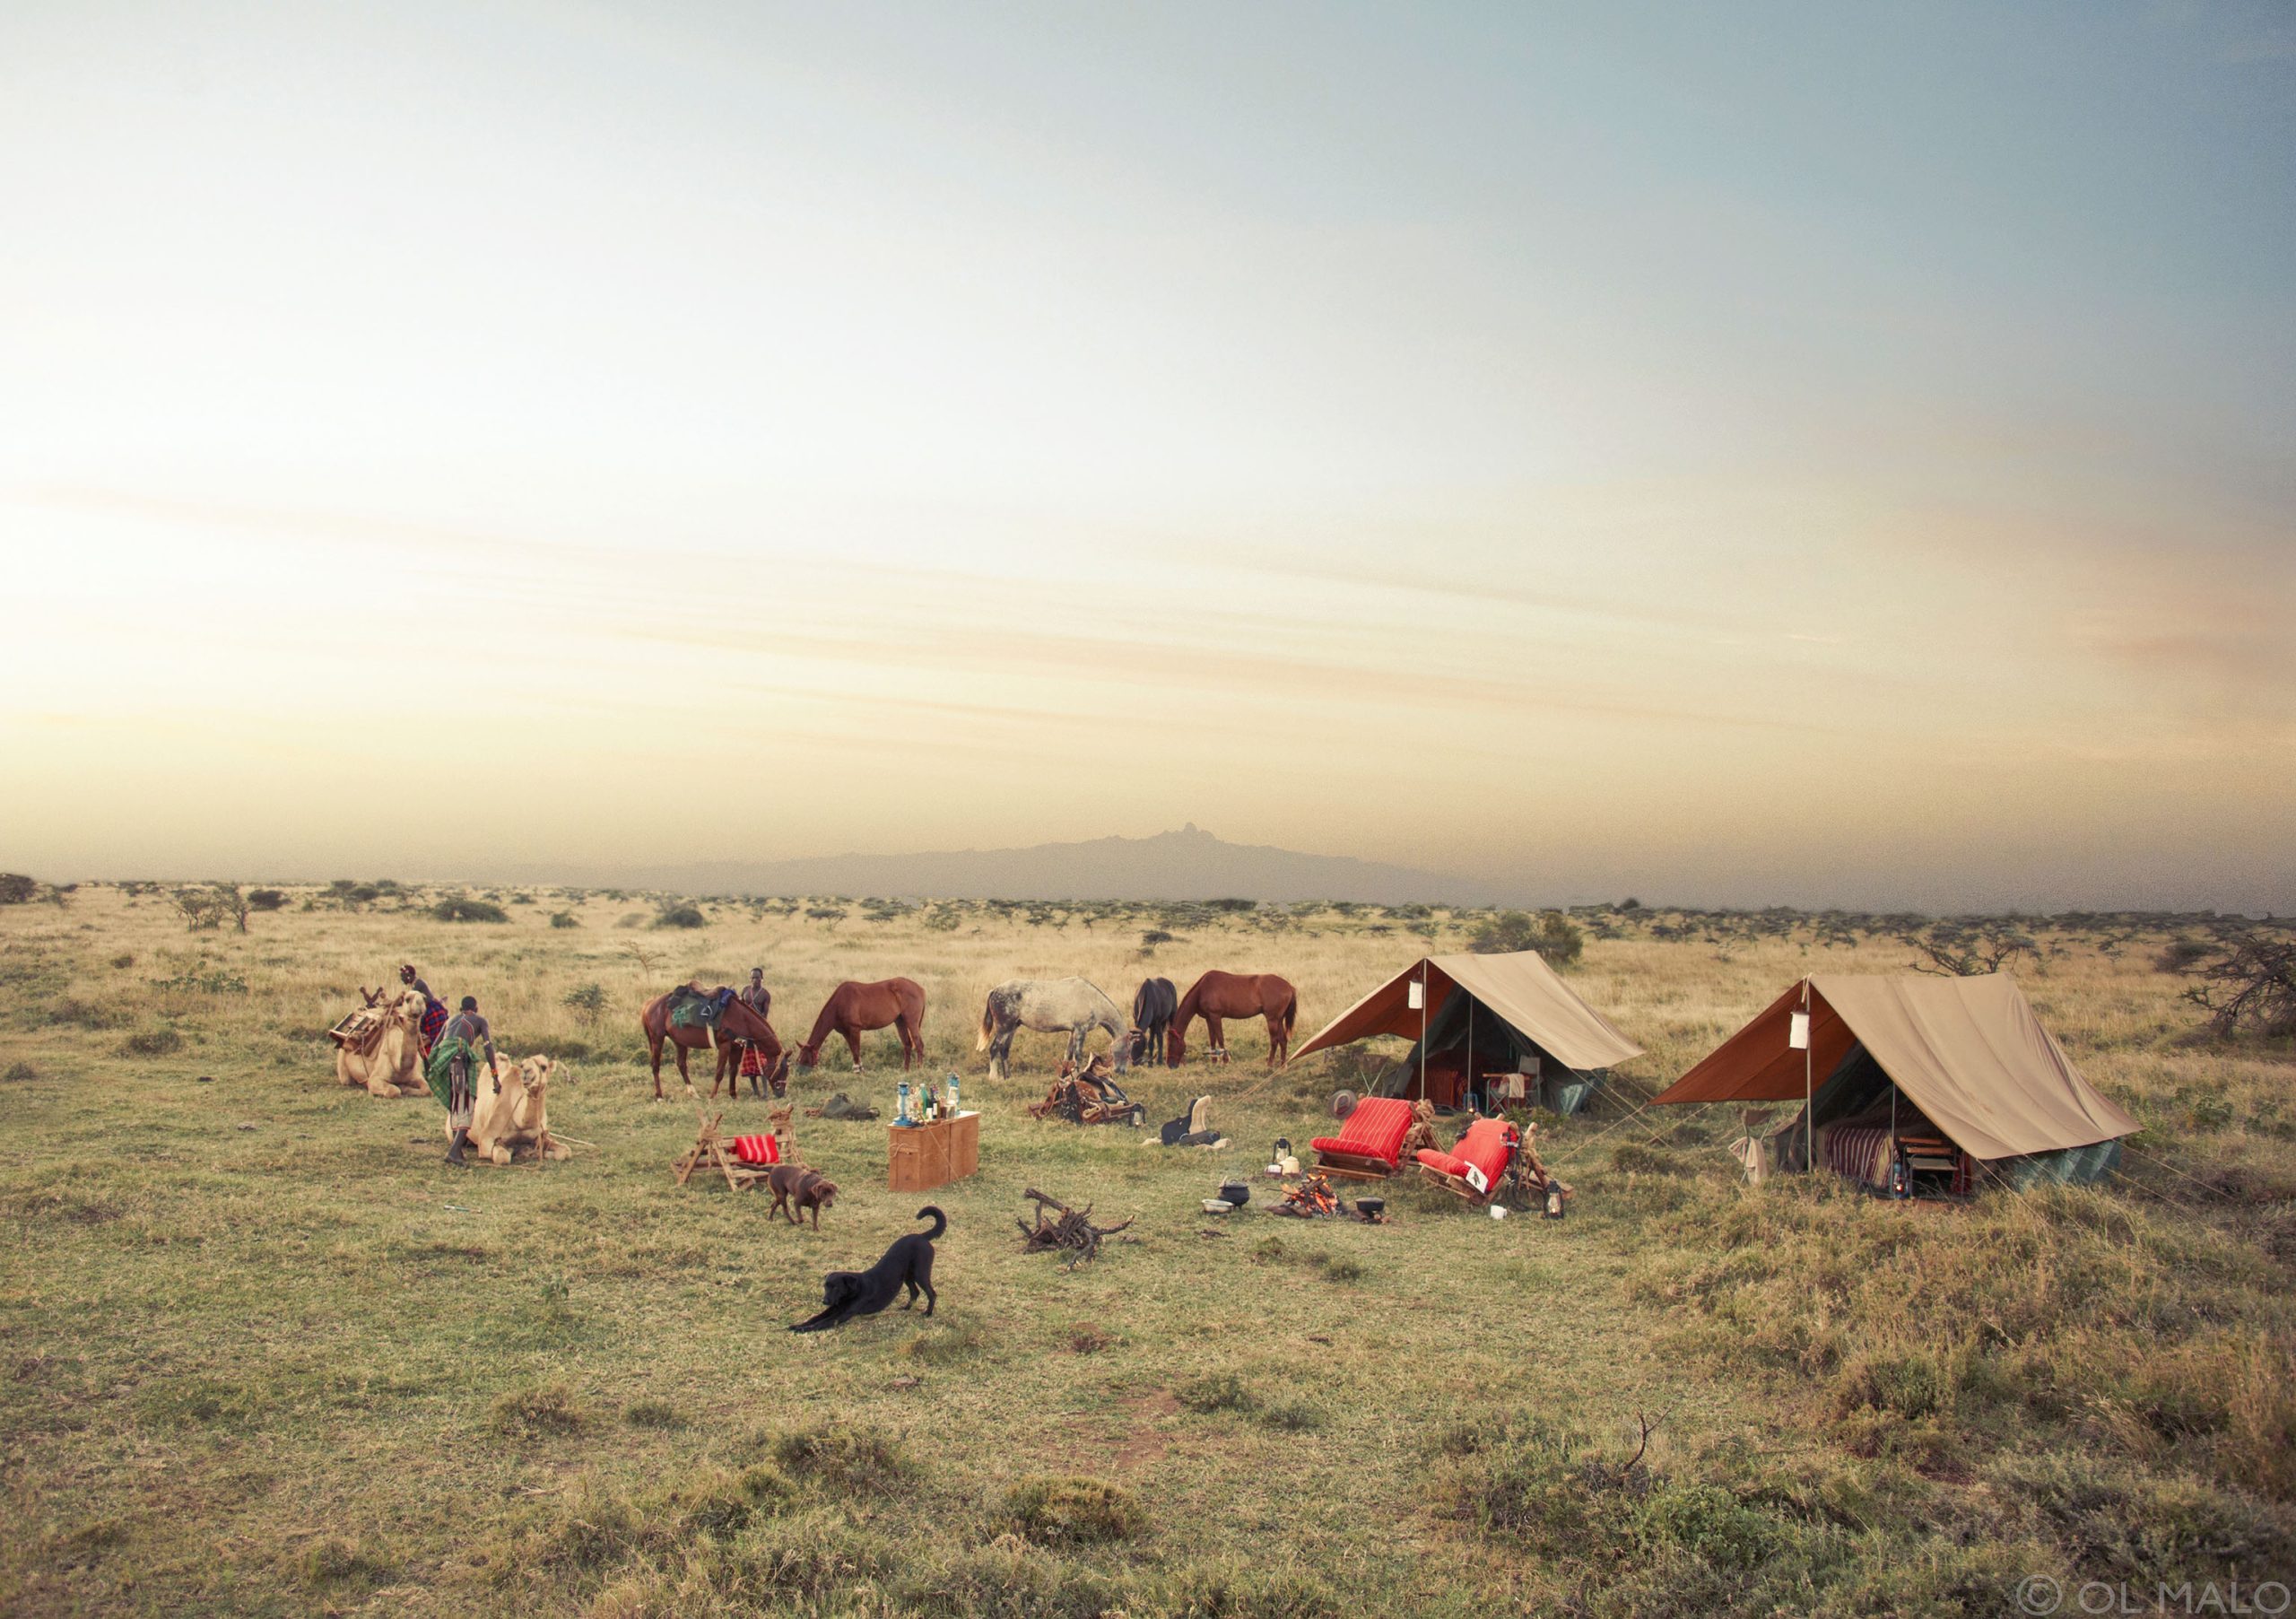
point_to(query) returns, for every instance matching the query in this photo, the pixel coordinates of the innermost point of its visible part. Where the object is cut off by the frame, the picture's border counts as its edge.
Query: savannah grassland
(261, 1351)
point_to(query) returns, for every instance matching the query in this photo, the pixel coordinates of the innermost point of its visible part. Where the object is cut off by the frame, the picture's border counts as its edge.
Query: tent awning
(1520, 988)
(1968, 1052)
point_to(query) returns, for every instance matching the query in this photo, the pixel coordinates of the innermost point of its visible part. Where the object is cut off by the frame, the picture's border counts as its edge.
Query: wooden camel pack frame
(711, 1147)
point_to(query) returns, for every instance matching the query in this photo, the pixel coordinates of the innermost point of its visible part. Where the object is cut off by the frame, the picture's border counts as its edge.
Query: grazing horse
(737, 1021)
(1152, 1013)
(1070, 1006)
(853, 1008)
(1219, 994)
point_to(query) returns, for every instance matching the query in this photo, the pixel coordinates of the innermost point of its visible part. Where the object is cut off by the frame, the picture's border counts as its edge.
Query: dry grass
(264, 1353)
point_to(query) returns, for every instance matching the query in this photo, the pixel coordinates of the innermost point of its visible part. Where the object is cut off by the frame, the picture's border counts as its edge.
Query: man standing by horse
(758, 999)
(452, 1071)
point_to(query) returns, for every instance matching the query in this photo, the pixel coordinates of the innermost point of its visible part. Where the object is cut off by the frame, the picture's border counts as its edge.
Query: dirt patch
(1142, 1443)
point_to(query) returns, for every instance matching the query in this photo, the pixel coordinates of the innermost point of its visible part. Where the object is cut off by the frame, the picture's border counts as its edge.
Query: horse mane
(749, 1015)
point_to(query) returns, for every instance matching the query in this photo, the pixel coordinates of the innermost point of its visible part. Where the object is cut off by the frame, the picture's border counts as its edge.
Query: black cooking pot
(1236, 1192)
(1370, 1205)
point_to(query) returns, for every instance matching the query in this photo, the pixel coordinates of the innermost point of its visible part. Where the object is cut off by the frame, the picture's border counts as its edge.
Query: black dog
(908, 1263)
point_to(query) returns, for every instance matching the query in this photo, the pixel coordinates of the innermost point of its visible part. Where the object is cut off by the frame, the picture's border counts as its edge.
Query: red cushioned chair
(1487, 1150)
(1370, 1144)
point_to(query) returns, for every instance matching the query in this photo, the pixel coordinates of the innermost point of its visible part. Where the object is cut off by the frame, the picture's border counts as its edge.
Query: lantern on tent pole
(1797, 1038)
(1415, 993)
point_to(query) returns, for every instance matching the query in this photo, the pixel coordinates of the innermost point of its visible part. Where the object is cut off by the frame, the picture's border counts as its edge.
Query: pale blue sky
(1815, 453)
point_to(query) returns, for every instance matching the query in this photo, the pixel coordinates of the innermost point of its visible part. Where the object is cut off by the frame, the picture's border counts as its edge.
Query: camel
(1219, 994)
(516, 1115)
(737, 1021)
(853, 1008)
(1069, 1005)
(386, 1055)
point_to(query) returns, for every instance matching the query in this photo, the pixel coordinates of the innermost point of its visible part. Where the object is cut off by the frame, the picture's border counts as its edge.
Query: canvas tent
(1484, 1014)
(1963, 1059)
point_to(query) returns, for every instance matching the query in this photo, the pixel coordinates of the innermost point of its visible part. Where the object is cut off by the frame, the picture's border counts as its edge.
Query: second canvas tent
(1485, 1021)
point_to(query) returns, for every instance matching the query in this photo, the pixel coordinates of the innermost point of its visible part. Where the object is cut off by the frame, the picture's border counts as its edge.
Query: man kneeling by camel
(452, 1071)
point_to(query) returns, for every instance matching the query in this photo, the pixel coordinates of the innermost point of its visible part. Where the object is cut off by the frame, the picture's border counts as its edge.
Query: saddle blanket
(762, 1150)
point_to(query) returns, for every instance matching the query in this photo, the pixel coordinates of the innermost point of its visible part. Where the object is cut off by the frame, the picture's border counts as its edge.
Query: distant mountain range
(1189, 864)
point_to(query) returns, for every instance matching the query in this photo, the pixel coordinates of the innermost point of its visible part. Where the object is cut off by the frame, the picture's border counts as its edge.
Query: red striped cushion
(1375, 1130)
(757, 1149)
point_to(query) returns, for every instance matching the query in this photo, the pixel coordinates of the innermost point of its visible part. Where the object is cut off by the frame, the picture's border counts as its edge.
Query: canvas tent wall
(1501, 1008)
(1966, 1054)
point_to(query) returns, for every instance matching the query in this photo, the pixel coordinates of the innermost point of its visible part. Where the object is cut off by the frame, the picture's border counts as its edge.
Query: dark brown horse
(736, 1023)
(854, 1007)
(1219, 994)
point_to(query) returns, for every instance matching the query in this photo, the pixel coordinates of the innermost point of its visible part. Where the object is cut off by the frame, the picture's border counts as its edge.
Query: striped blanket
(757, 1149)
(434, 1018)
(1859, 1153)
(1862, 1153)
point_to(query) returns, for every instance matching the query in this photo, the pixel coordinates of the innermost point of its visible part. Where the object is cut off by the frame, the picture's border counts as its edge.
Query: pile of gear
(1089, 1095)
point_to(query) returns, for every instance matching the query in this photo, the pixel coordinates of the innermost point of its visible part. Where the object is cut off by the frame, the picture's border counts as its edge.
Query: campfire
(1311, 1199)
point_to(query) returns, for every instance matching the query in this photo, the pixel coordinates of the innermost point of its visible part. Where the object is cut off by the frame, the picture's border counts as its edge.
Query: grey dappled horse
(1072, 1007)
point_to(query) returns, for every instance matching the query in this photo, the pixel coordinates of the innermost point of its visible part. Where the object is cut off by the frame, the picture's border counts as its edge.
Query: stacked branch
(1060, 1229)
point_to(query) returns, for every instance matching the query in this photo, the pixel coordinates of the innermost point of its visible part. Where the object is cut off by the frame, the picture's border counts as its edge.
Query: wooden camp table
(923, 1156)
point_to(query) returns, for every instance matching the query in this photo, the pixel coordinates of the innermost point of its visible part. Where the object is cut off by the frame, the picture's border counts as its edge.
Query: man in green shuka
(453, 1071)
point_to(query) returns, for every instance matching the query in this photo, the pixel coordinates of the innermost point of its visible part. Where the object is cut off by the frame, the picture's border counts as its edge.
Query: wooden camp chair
(1476, 1166)
(1370, 1145)
(711, 1147)
(1509, 1166)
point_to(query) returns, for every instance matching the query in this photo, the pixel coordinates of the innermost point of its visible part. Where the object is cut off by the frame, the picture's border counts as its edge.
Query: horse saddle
(696, 1008)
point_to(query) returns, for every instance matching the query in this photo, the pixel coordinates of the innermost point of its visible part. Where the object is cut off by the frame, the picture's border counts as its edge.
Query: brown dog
(796, 1188)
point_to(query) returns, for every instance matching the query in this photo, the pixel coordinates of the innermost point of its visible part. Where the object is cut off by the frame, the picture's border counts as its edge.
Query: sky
(1813, 454)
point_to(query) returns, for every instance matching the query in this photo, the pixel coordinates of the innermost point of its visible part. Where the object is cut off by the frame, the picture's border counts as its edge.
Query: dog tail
(940, 1221)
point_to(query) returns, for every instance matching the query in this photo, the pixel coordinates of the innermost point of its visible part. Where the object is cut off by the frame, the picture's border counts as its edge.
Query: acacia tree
(1970, 949)
(2247, 982)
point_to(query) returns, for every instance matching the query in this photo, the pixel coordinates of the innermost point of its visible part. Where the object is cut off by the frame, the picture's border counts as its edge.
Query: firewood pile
(1060, 1229)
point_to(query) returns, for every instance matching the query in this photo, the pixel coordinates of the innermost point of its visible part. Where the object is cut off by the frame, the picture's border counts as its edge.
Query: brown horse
(1219, 994)
(737, 1022)
(855, 1007)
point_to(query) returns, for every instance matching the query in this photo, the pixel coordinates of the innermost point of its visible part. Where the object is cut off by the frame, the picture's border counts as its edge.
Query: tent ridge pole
(1809, 1083)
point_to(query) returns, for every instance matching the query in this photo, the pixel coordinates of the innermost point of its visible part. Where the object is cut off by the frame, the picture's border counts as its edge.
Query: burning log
(1311, 1199)
(1072, 1232)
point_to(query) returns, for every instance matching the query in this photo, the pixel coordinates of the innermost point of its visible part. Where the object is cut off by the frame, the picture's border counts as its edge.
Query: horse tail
(1290, 1009)
(987, 1021)
(940, 1221)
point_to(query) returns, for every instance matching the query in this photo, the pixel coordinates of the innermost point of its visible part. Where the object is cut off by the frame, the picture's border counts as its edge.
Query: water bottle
(954, 1108)
(900, 1105)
